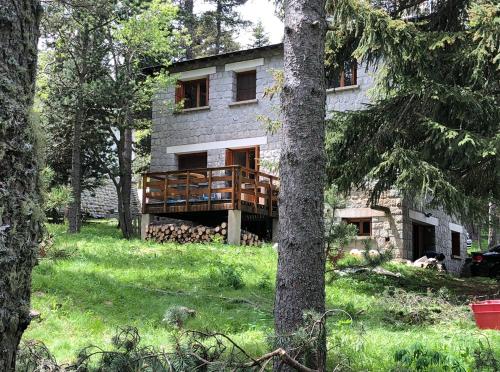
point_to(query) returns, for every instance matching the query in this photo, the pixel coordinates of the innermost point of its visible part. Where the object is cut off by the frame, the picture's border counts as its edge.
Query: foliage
(215, 28)
(485, 358)
(338, 233)
(226, 276)
(259, 36)
(431, 129)
(376, 257)
(420, 358)
(55, 198)
(178, 315)
(409, 308)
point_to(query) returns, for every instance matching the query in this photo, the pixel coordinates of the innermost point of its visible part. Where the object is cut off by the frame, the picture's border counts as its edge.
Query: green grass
(108, 282)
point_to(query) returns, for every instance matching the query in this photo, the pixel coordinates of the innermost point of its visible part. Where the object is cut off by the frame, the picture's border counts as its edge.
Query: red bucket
(487, 314)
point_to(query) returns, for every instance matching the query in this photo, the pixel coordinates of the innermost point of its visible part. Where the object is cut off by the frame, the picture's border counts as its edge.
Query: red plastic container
(487, 314)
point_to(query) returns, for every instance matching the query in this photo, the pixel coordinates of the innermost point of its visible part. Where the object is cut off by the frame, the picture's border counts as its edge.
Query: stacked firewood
(248, 238)
(184, 233)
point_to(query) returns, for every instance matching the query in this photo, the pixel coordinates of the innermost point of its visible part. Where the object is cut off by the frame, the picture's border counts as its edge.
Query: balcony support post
(234, 226)
(146, 219)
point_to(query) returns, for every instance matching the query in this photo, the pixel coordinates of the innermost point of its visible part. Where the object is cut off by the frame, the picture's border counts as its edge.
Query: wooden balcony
(210, 189)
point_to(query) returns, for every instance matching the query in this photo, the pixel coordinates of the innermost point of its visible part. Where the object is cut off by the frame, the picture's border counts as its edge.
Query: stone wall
(224, 120)
(102, 202)
(387, 221)
(394, 227)
(443, 232)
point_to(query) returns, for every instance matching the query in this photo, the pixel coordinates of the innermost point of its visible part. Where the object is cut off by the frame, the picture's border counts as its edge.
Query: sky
(253, 10)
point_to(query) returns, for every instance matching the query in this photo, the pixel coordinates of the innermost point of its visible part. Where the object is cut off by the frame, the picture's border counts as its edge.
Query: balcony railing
(210, 189)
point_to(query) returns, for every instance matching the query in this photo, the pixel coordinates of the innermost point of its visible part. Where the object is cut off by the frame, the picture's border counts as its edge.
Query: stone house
(215, 124)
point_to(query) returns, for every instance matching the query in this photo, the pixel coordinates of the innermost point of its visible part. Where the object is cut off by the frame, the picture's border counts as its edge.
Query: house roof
(236, 53)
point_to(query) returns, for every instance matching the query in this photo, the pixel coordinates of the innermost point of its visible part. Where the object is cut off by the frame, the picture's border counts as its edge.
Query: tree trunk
(218, 20)
(190, 25)
(20, 211)
(300, 283)
(492, 225)
(74, 209)
(125, 183)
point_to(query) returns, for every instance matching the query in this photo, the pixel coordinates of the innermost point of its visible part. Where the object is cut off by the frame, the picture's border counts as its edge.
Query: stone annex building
(210, 158)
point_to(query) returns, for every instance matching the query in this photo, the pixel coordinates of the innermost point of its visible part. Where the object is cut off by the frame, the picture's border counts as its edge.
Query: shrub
(264, 282)
(485, 359)
(409, 308)
(55, 252)
(418, 358)
(374, 256)
(226, 276)
(178, 315)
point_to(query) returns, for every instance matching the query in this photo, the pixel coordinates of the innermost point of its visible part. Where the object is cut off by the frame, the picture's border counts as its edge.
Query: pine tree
(221, 25)
(20, 204)
(260, 37)
(431, 130)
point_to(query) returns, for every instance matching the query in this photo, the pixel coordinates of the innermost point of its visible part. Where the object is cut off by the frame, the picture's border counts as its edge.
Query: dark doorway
(423, 239)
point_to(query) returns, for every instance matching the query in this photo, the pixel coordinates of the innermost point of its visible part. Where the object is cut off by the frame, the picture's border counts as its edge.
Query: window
(455, 244)
(246, 85)
(192, 161)
(364, 225)
(193, 93)
(346, 76)
(246, 157)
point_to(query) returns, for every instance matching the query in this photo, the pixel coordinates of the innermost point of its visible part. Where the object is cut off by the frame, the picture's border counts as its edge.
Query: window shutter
(257, 158)
(229, 157)
(178, 92)
(208, 90)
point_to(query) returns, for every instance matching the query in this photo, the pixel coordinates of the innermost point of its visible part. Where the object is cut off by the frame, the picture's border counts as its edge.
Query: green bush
(226, 276)
(418, 358)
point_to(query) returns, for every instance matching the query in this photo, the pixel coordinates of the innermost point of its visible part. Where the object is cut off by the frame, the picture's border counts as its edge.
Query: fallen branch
(234, 300)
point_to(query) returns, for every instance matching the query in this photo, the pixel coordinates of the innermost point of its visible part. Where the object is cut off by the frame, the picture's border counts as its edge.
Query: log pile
(184, 233)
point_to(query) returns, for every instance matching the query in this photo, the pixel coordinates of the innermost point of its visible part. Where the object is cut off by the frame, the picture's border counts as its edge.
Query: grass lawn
(107, 282)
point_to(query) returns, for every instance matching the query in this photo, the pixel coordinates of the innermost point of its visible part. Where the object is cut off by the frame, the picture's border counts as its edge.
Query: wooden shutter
(354, 72)
(208, 90)
(179, 92)
(257, 158)
(229, 157)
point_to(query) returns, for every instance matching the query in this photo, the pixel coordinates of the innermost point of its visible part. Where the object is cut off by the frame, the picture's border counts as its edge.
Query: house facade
(215, 124)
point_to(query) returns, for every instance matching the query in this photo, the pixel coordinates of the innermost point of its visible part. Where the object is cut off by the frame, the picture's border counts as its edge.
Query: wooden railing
(208, 189)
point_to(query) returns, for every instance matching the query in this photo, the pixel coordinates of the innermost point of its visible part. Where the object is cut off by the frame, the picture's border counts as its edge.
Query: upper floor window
(193, 93)
(347, 76)
(246, 83)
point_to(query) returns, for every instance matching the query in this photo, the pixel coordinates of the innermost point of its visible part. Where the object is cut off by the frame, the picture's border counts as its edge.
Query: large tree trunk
(20, 211)
(125, 183)
(492, 225)
(300, 283)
